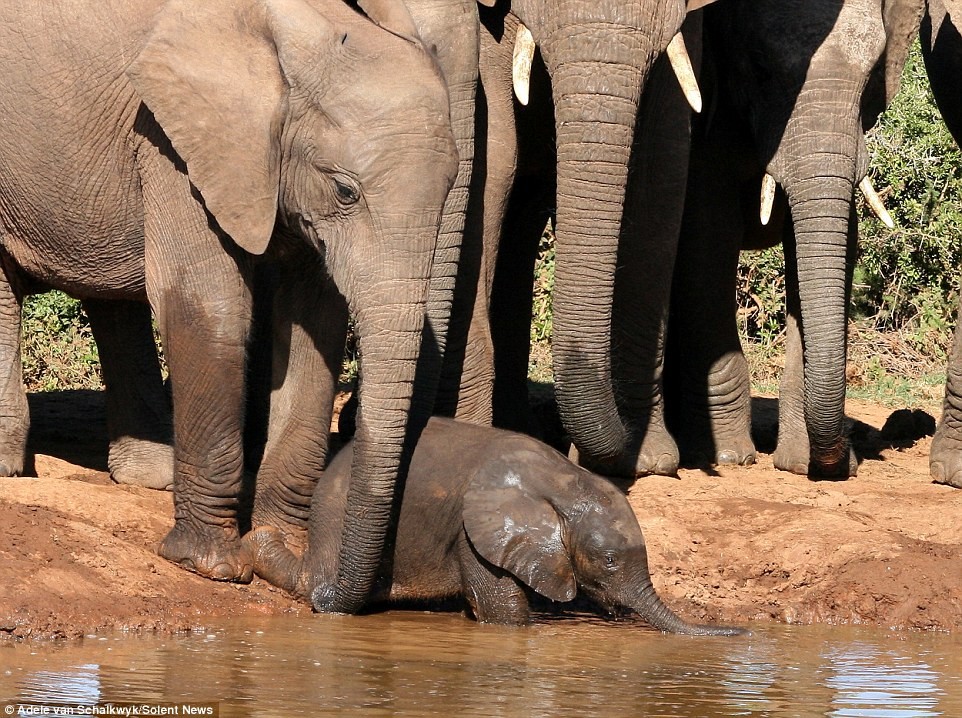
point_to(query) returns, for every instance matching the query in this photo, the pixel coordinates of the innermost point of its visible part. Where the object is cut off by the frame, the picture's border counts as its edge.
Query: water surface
(418, 664)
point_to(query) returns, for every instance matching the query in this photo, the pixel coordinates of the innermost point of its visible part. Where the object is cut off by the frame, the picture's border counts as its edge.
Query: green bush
(57, 345)
(907, 279)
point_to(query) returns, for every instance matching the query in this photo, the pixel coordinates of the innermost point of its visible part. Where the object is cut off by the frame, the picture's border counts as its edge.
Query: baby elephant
(485, 513)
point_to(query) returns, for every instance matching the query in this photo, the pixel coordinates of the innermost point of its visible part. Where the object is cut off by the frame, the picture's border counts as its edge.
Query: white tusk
(768, 198)
(875, 202)
(681, 64)
(521, 63)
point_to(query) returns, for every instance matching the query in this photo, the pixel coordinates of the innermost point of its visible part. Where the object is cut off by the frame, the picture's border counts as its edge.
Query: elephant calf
(486, 513)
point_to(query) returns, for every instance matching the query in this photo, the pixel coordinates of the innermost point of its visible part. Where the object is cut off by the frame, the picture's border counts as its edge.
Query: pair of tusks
(524, 47)
(871, 196)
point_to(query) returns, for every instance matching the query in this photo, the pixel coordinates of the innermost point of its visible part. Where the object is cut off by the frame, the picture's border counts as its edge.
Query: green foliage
(539, 364)
(57, 345)
(907, 279)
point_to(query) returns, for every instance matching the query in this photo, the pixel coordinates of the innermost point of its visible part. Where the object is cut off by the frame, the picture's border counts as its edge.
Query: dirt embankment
(741, 544)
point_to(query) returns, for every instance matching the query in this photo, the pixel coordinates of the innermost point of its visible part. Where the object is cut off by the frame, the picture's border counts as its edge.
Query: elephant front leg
(494, 595)
(14, 412)
(198, 282)
(310, 326)
(138, 408)
(945, 459)
(709, 399)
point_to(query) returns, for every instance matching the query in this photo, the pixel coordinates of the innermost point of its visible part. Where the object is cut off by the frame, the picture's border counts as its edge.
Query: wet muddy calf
(486, 515)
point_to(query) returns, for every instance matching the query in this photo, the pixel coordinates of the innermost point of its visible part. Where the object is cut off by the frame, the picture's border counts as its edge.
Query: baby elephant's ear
(520, 532)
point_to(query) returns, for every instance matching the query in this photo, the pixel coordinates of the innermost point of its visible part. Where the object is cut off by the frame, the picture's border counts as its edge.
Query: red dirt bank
(742, 544)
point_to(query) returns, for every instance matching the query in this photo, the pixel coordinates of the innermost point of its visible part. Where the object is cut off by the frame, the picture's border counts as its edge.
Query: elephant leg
(945, 458)
(494, 595)
(14, 412)
(470, 364)
(793, 451)
(310, 326)
(198, 282)
(710, 397)
(511, 302)
(646, 256)
(138, 408)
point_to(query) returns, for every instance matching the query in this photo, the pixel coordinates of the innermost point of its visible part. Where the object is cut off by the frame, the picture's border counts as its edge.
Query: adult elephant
(573, 150)
(792, 85)
(152, 150)
(942, 52)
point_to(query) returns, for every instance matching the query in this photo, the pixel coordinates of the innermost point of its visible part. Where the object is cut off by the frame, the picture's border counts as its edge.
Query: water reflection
(419, 664)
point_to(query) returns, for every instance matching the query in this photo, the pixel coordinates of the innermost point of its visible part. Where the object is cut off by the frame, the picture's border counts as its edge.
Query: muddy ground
(740, 544)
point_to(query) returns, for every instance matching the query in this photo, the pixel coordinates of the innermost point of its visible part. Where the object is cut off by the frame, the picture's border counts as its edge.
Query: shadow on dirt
(70, 425)
(901, 430)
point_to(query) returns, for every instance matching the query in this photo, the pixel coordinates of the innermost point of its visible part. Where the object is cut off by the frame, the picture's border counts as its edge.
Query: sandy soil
(743, 544)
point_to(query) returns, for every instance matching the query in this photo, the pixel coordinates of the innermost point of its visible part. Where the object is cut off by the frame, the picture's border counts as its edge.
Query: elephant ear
(954, 9)
(209, 73)
(512, 527)
(901, 19)
(393, 16)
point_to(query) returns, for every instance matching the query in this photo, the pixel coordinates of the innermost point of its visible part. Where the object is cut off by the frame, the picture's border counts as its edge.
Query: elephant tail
(273, 561)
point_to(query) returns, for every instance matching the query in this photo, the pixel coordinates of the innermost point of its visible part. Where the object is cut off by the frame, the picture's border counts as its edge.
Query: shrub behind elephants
(153, 150)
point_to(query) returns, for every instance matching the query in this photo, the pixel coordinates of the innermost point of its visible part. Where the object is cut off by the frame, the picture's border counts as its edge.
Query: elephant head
(302, 120)
(599, 56)
(564, 530)
(806, 78)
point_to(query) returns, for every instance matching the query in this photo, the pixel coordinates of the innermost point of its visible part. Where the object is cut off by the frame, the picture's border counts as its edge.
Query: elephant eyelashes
(347, 192)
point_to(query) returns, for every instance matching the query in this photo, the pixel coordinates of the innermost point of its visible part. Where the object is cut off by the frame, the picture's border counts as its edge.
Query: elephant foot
(735, 451)
(141, 462)
(290, 531)
(736, 456)
(220, 557)
(656, 453)
(945, 460)
(12, 463)
(797, 460)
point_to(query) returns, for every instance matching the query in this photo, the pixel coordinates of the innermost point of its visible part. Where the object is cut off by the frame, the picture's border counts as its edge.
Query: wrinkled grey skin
(604, 172)
(166, 145)
(486, 515)
(942, 50)
(791, 86)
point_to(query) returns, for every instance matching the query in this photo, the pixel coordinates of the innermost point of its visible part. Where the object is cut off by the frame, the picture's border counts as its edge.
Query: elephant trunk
(820, 210)
(647, 604)
(389, 316)
(455, 34)
(597, 87)
(820, 185)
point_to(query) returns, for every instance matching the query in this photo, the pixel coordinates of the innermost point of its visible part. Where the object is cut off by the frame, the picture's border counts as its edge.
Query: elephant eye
(610, 562)
(347, 190)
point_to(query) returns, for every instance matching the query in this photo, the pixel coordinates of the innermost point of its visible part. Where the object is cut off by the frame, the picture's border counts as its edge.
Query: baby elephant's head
(558, 528)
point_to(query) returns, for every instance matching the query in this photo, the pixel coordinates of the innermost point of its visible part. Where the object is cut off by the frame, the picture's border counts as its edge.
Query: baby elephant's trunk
(650, 607)
(273, 561)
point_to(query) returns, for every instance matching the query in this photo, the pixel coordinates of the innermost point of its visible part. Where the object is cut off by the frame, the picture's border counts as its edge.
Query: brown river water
(419, 664)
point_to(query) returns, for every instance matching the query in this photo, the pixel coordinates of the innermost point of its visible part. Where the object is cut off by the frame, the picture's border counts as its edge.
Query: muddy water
(415, 664)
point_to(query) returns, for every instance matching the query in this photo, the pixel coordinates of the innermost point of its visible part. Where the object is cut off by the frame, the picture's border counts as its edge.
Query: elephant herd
(250, 174)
